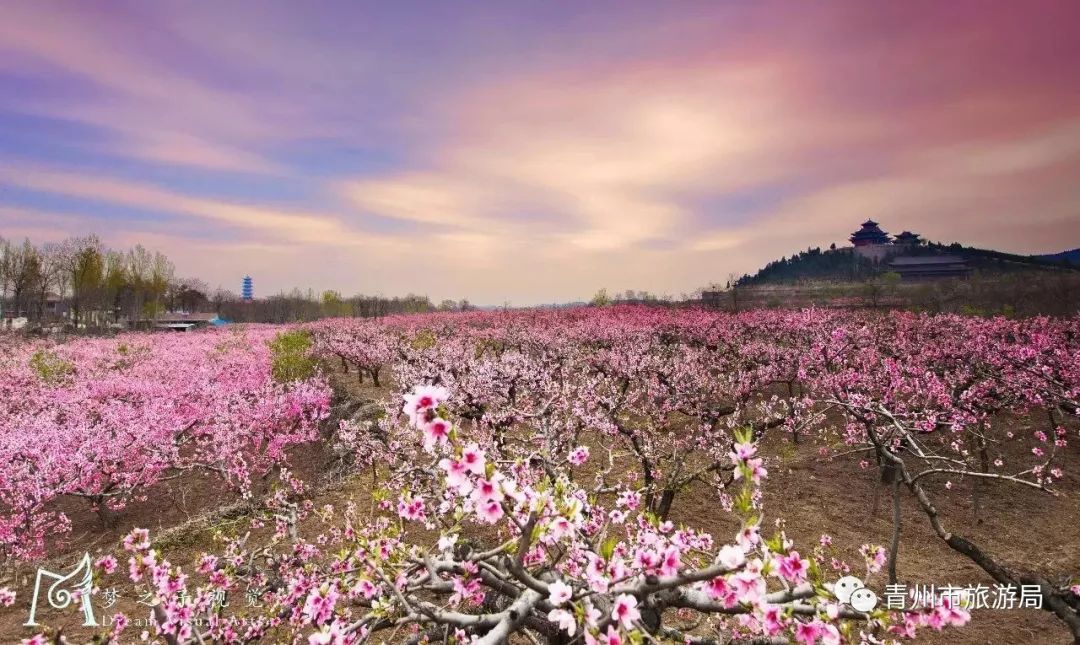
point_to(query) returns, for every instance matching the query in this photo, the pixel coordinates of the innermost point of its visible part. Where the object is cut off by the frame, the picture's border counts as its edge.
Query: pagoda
(907, 238)
(247, 291)
(869, 234)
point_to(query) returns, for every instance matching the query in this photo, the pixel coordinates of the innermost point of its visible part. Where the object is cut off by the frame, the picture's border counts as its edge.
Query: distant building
(56, 306)
(871, 242)
(247, 289)
(713, 298)
(907, 238)
(869, 234)
(180, 321)
(53, 307)
(900, 254)
(929, 267)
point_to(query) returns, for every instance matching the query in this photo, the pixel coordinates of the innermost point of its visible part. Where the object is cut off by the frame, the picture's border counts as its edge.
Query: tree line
(307, 305)
(86, 283)
(82, 283)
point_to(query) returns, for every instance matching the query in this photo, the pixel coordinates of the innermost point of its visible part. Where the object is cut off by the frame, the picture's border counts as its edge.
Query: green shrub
(50, 367)
(425, 339)
(292, 359)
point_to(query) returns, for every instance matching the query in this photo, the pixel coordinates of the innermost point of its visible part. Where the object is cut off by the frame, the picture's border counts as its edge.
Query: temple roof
(870, 233)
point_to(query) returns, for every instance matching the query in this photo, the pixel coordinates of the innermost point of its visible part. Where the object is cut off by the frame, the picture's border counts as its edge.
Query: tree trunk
(894, 548)
(664, 507)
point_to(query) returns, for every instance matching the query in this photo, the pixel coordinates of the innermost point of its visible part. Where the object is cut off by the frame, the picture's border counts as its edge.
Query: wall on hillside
(876, 253)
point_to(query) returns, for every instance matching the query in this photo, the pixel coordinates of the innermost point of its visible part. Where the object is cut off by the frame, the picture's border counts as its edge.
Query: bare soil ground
(815, 496)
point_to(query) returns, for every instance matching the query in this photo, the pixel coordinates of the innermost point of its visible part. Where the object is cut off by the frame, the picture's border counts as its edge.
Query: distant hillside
(1067, 257)
(842, 265)
(812, 264)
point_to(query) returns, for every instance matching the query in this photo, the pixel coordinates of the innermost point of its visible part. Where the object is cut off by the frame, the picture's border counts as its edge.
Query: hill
(844, 265)
(1067, 257)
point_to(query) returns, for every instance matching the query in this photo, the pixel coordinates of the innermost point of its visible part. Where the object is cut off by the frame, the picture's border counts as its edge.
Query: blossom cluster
(105, 419)
(516, 549)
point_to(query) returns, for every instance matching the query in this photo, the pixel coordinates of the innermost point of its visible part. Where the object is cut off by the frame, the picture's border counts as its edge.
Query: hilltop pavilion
(869, 234)
(907, 238)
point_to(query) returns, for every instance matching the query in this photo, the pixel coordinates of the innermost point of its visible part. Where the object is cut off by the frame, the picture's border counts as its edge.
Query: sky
(532, 152)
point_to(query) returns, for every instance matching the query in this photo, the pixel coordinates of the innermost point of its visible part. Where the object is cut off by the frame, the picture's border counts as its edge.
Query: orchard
(526, 475)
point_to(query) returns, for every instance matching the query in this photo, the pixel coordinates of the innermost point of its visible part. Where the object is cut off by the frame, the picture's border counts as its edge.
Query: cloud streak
(512, 153)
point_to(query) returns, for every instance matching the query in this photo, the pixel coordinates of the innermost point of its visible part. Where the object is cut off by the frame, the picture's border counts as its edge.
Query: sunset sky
(534, 152)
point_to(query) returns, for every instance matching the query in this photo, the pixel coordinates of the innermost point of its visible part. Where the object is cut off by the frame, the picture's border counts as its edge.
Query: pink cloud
(617, 153)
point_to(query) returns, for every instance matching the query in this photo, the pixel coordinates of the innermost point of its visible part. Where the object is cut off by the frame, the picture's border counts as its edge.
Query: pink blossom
(137, 540)
(332, 634)
(422, 399)
(950, 614)
(629, 499)
(411, 507)
(611, 637)
(792, 567)
(772, 620)
(625, 610)
(107, 563)
(876, 557)
(731, 556)
(559, 528)
(719, 590)
(487, 490)
(207, 563)
(367, 589)
(119, 622)
(456, 475)
(592, 614)
(490, 511)
(436, 431)
(743, 451)
(829, 635)
(578, 455)
(748, 585)
(473, 458)
(319, 605)
(564, 619)
(671, 562)
(807, 633)
(559, 592)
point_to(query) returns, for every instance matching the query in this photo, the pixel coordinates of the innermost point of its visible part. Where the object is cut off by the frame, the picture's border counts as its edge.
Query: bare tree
(5, 272)
(50, 277)
(116, 285)
(83, 262)
(734, 291)
(25, 275)
(188, 294)
(139, 266)
(161, 274)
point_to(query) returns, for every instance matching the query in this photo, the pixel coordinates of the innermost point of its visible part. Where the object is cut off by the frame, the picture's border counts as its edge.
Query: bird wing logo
(66, 588)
